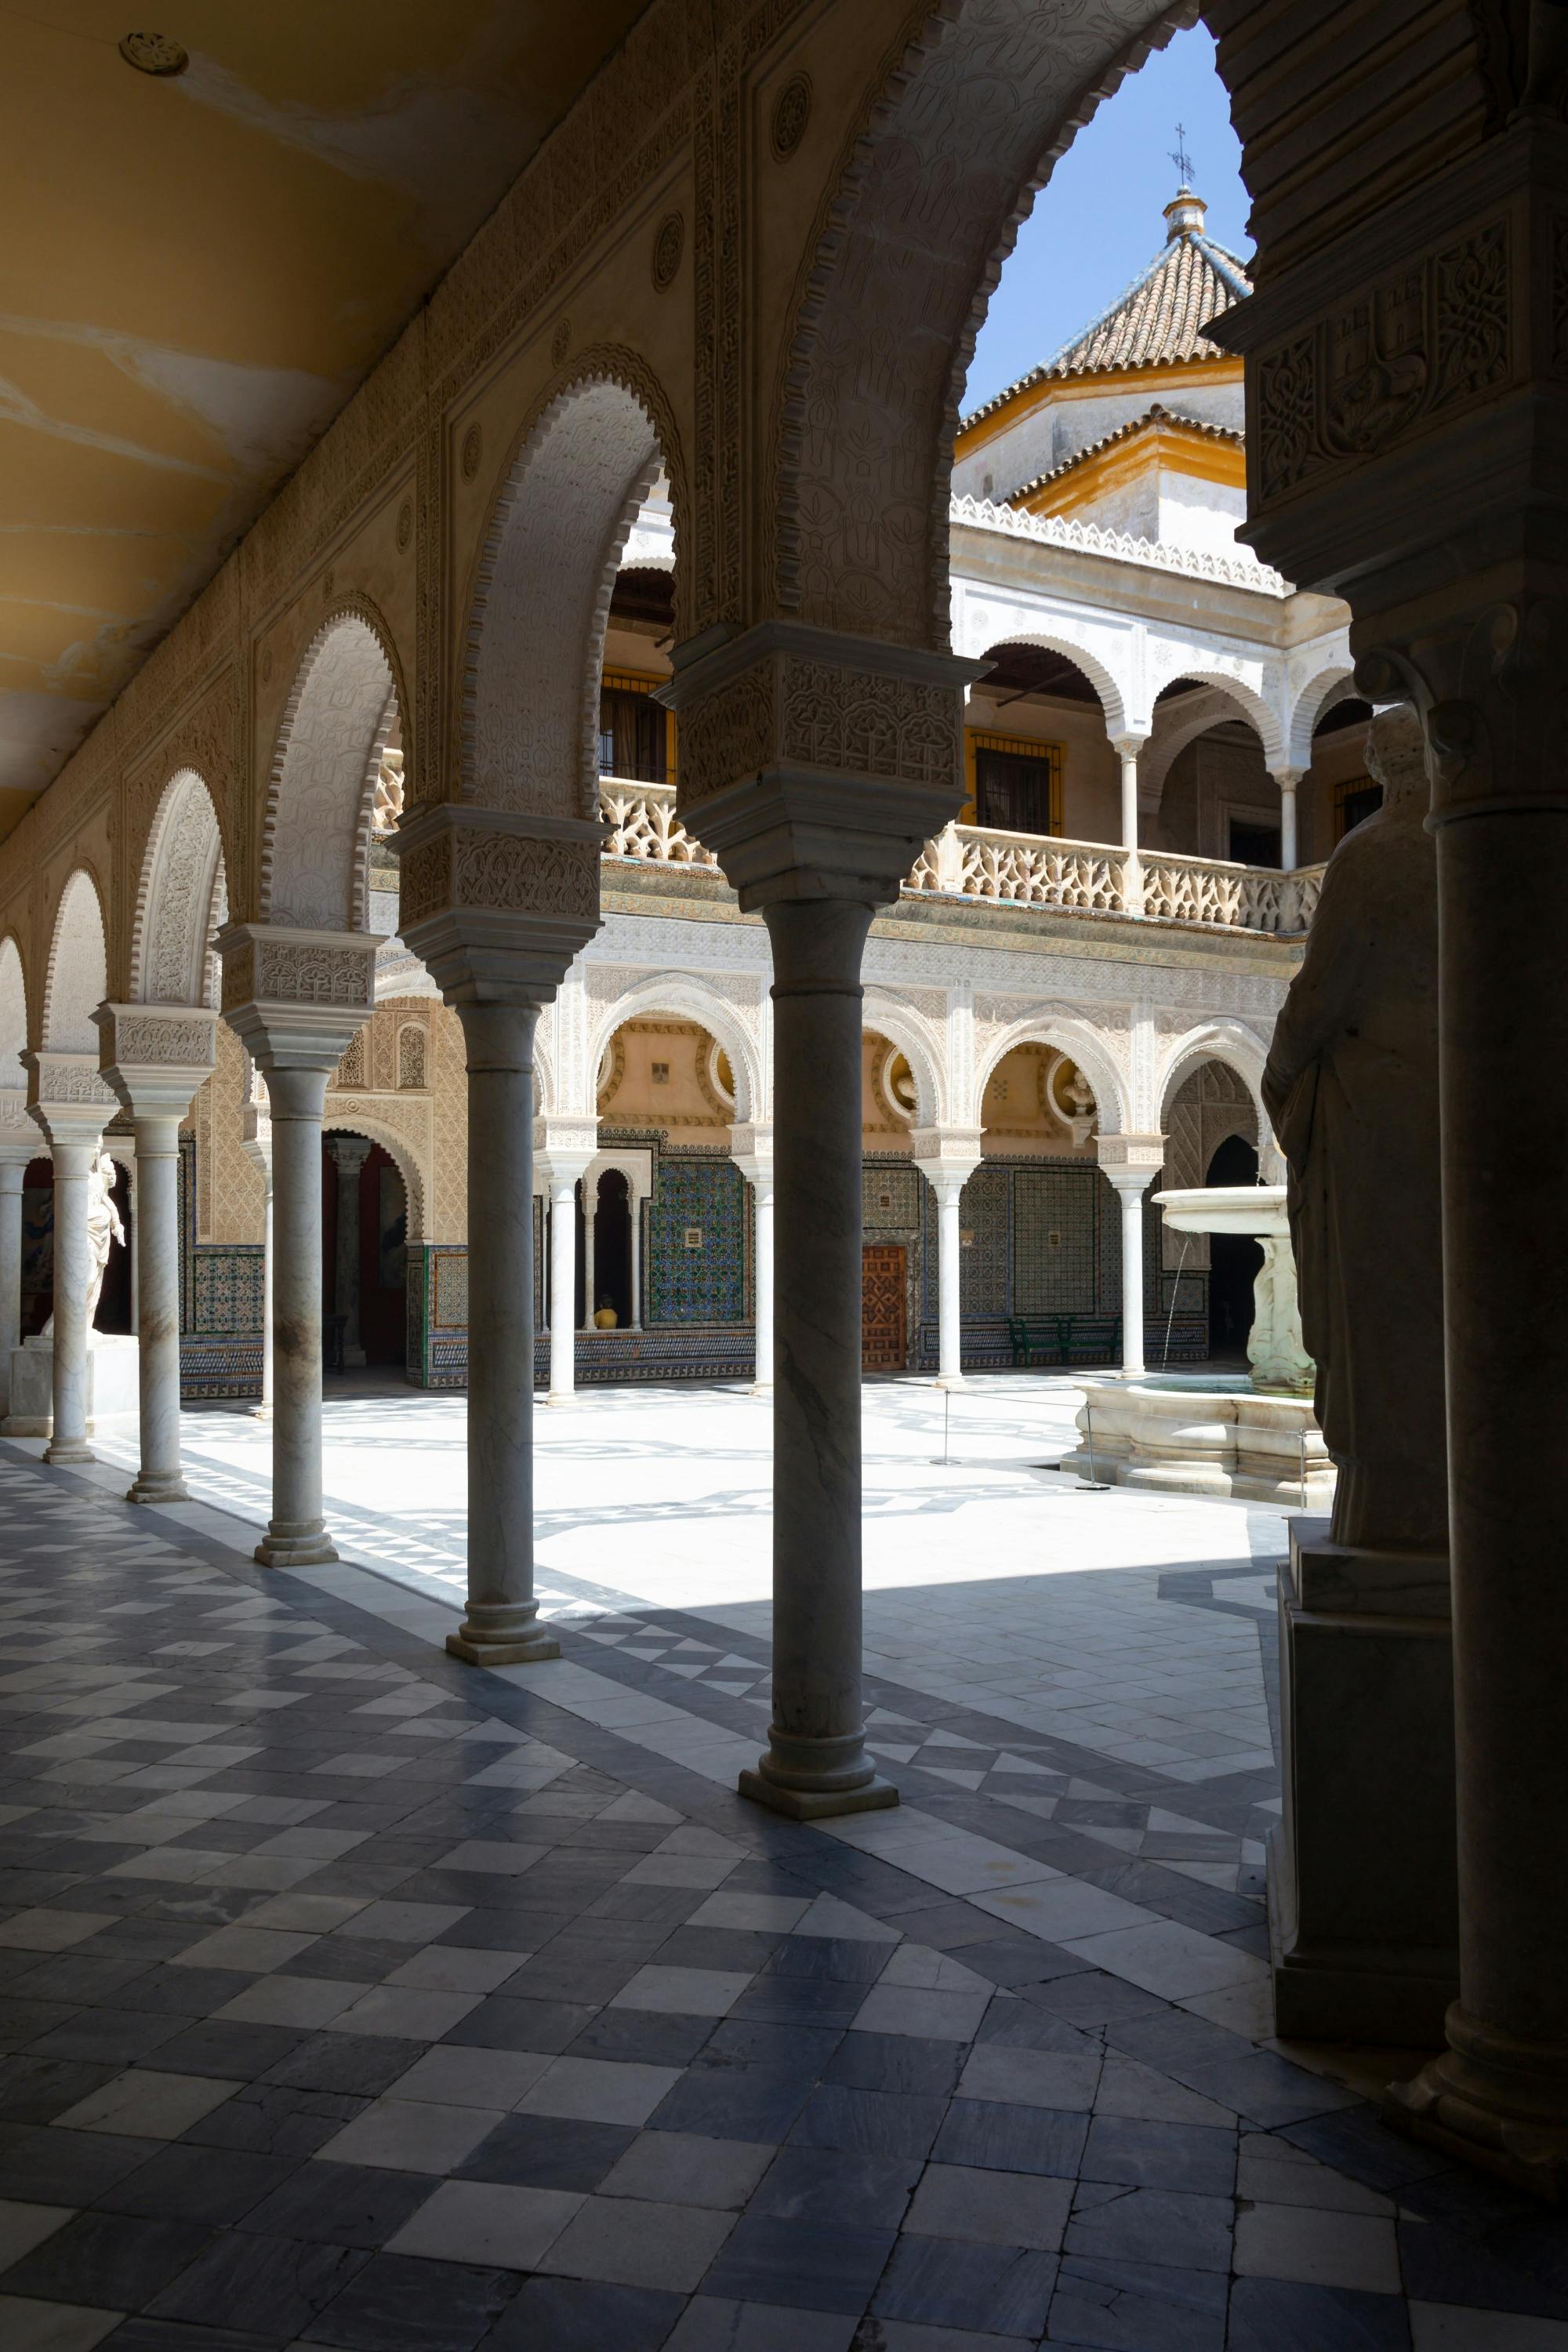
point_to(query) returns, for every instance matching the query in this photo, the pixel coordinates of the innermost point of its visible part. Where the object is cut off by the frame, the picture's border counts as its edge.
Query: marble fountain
(1252, 1437)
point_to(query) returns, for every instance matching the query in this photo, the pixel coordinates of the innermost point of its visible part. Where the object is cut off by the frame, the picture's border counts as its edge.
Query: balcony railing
(968, 861)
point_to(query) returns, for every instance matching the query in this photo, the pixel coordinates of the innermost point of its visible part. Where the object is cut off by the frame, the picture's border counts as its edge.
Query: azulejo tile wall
(222, 1295)
(698, 1242)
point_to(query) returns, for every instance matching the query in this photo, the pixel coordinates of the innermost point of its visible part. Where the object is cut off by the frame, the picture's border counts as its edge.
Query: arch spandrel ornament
(340, 713)
(907, 246)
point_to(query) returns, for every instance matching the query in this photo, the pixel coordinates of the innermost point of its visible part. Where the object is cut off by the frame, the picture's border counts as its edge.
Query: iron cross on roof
(1180, 157)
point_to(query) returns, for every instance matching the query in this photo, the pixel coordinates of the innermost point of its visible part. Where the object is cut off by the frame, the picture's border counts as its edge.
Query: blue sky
(1098, 221)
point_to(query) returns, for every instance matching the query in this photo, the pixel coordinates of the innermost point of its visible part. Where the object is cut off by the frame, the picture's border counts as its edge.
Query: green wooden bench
(1064, 1339)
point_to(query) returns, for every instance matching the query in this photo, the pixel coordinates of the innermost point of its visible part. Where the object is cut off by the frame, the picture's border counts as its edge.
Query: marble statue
(1352, 1088)
(103, 1225)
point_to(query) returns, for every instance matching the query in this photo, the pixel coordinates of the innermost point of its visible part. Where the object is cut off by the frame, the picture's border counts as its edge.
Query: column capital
(496, 902)
(155, 1057)
(1130, 1161)
(296, 998)
(564, 1148)
(68, 1099)
(947, 1155)
(1130, 744)
(817, 764)
(350, 1150)
(752, 1149)
(18, 1133)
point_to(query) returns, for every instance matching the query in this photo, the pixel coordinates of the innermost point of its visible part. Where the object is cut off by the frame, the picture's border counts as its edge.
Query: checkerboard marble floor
(352, 1998)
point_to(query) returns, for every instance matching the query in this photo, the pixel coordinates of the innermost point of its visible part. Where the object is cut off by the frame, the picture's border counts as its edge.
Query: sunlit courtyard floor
(662, 1497)
(349, 1996)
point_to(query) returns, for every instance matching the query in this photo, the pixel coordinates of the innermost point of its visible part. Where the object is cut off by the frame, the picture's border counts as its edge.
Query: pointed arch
(345, 1116)
(76, 981)
(336, 723)
(541, 598)
(910, 241)
(1217, 1041)
(1325, 687)
(13, 1012)
(181, 898)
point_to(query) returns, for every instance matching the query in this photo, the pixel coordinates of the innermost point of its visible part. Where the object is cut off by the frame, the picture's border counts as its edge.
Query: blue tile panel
(698, 1242)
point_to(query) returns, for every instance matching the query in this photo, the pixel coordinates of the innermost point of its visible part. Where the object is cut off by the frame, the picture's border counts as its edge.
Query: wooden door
(882, 1346)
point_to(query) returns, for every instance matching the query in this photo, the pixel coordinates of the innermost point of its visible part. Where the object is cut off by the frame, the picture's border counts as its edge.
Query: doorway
(882, 1342)
(1233, 1260)
(613, 1248)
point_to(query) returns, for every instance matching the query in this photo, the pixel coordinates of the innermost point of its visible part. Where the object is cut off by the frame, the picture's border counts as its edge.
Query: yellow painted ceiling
(196, 272)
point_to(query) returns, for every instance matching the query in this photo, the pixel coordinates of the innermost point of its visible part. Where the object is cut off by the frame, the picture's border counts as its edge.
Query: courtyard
(355, 1997)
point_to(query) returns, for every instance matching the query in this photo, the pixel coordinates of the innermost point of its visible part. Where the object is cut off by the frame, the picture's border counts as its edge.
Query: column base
(761, 1389)
(1493, 2102)
(278, 1548)
(529, 1651)
(160, 1487)
(562, 1396)
(69, 1449)
(261, 1412)
(24, 1425)
(951, 1382)
(817, 1804)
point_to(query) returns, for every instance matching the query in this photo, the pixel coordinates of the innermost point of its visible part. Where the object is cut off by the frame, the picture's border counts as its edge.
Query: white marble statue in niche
(1352, 1088)
(103, 1225)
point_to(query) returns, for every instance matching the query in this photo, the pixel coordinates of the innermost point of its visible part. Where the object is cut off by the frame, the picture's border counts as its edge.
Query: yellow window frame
(979, 738)
(637, 681)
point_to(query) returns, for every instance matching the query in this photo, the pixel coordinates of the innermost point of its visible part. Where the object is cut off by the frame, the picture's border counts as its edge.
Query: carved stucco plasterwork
(183, 898)
(528, 700)
(340, 713)
(1423, 342)
(923, 213)
(819, 714)
(503, 873)
(164, 1043)
(400, 1125)
(78, 978)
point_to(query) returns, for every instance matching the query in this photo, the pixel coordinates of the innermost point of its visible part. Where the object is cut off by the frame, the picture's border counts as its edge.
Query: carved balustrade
(1020, 868)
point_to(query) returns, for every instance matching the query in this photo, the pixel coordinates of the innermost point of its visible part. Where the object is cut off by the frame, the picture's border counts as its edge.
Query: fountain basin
(1204, 1438)
(1254, 1436)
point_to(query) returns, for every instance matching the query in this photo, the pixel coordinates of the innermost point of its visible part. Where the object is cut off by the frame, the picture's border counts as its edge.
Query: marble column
(497, 968)
(563, 1289)
(1127, 747)
(816, 1761)
(74, 1145)
(1131, 1163)
(258, 1148)
(271, 980)
(561, 1163)
(846, 761)
(158, 1304)
(501, 1625)
(296, 1532)
(1288, 779)
(752, 1150)
(350, 1153)
(634, 1207)
(13, 1159)
(155, 1057)
(947, 1160)
(590, 1218)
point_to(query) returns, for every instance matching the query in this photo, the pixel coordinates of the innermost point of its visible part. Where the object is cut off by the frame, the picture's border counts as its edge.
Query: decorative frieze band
(1427, 339)
(810, 700)
(287, 967)
(504, 873)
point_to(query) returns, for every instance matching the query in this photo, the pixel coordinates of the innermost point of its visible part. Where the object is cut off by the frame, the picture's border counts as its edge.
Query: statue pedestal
(113, 1393)
(1362, 1890)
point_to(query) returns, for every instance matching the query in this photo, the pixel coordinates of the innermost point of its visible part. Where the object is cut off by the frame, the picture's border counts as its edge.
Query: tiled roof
(1158, 321)
(1154, 414)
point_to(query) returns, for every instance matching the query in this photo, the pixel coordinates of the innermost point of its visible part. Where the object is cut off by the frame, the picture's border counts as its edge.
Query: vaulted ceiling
(199, 268)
